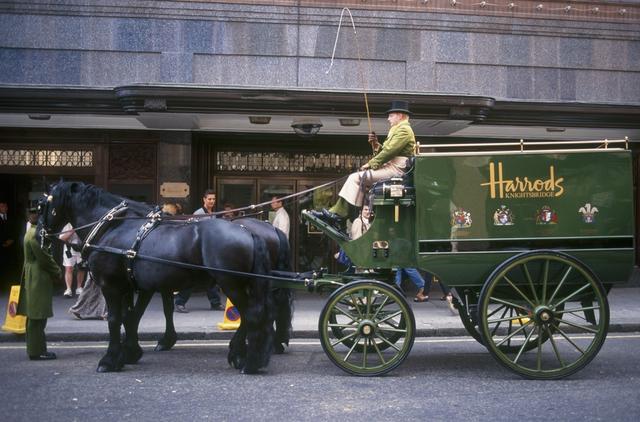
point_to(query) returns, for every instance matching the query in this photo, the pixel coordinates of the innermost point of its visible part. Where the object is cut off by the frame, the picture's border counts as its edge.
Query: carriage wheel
(547, 303)
(339, 331)
(474, 331)
(367, 328)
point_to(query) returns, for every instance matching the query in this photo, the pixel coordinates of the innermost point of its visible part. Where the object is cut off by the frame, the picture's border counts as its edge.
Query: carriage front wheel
(367, 328)
(543, 314)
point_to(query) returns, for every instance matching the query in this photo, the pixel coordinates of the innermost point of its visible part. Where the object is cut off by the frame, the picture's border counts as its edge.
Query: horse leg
(283, 301)
(238, 344)
(113, 360)
(169, 338)
(133, 314)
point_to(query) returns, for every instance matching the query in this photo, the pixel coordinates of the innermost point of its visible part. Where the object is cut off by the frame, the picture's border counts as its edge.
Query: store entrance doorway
(310, 248)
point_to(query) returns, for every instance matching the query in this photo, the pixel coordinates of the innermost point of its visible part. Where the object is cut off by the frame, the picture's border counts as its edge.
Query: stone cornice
(135, 99)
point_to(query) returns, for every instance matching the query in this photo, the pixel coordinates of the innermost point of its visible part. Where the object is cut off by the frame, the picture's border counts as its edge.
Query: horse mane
(91, 195)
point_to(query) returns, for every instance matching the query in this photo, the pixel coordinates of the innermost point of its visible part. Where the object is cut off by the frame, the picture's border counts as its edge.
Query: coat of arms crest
(588, 212)
(503, 216)
(546, 215)
(461, 218)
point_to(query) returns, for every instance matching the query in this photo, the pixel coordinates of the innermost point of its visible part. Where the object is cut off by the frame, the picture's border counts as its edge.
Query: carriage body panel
(471, 211)
(479, 209)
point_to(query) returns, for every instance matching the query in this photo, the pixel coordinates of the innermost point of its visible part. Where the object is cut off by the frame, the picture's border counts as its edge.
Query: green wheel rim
(358, 319)
(543, 315)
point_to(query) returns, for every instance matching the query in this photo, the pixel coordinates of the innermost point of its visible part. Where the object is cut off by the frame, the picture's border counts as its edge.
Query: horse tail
(260, 314)
(283, 297)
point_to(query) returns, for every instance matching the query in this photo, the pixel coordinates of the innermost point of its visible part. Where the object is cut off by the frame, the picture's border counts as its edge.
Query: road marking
(306, 342)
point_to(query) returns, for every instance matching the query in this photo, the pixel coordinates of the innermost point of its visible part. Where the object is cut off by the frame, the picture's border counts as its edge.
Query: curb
(227, 335)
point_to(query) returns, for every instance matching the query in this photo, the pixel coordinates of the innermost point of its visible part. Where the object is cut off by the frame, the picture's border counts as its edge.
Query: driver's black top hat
(399, 106)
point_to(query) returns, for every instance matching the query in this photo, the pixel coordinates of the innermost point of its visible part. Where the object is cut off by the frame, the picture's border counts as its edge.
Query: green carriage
(530, 236)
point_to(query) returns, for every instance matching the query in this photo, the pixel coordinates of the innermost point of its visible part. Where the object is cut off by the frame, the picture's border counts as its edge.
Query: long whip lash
(360, 69)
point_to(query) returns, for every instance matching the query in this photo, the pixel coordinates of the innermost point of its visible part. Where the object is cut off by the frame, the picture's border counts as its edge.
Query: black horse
(214, 243)
(279, 252)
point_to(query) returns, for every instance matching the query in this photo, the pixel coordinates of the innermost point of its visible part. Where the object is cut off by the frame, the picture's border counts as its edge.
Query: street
(442, 379)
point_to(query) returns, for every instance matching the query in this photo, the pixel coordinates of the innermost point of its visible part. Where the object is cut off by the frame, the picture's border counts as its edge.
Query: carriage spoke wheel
(367, 328)
(543, 314)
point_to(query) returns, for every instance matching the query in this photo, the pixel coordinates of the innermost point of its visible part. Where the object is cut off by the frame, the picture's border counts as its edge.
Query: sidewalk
(432, 318)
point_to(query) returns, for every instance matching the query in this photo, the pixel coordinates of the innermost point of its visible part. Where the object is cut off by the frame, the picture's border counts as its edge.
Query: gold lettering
(523, 187)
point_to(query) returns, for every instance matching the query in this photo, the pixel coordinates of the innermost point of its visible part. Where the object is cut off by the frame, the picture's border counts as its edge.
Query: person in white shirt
(361, 224)
(281, 220)
(71, 258)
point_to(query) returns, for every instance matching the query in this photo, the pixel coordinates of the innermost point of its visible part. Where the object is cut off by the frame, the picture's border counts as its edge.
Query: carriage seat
(395, 189)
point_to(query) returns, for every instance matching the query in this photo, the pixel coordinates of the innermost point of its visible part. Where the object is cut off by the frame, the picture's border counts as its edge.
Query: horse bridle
(44, 211)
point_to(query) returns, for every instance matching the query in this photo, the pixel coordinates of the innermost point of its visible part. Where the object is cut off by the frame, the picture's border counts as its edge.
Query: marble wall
(112, 43)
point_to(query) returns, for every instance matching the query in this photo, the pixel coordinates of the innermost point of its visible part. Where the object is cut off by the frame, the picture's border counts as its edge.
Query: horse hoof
(106, 368)
(250, 371)
(236, 362)
(278, 348)
(162, 348)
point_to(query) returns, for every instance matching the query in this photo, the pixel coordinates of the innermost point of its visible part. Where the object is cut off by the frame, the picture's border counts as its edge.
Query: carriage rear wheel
(548, 303)
(471, 325)
(367, 328)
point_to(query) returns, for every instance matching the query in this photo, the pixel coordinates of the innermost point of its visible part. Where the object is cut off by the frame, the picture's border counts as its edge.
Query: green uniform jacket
(40, 272)
(400, 142)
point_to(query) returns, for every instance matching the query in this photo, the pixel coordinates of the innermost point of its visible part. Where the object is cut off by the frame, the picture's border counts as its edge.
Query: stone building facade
(172, 97)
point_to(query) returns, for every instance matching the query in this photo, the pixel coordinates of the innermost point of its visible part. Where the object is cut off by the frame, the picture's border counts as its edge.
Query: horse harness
(144, 230)
(97, 228)
(153, 219)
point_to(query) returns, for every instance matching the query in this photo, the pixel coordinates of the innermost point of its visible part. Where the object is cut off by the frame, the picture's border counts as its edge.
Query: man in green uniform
(40, 272)
(389, 160)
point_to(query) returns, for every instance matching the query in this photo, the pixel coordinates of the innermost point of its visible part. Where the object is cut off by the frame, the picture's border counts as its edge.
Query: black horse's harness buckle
(113, 212)
(154, 219)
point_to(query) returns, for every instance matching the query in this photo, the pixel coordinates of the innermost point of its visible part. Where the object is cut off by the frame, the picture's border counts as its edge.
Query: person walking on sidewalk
(213, 292)
(416, 278)
(36, 293)
(91, 303)
(71, 259)
(281, 220)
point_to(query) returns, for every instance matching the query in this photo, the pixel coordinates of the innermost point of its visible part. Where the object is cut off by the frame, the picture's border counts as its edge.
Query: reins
(188, 218)
(131, 254)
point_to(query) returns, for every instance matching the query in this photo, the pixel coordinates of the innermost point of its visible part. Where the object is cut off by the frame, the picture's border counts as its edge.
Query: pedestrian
(71, 260)
(213, 292)
(389, 160)
(91, 303)
(361, 224)
(36, 292)
(359, 227)
(228, 211)
(417, 279)
(281, 219)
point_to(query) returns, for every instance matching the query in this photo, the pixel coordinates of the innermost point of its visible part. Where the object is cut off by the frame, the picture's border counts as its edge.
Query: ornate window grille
(288, 162)
(45, 158)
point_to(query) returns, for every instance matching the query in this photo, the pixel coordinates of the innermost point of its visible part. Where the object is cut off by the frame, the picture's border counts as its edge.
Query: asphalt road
(442, 379)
